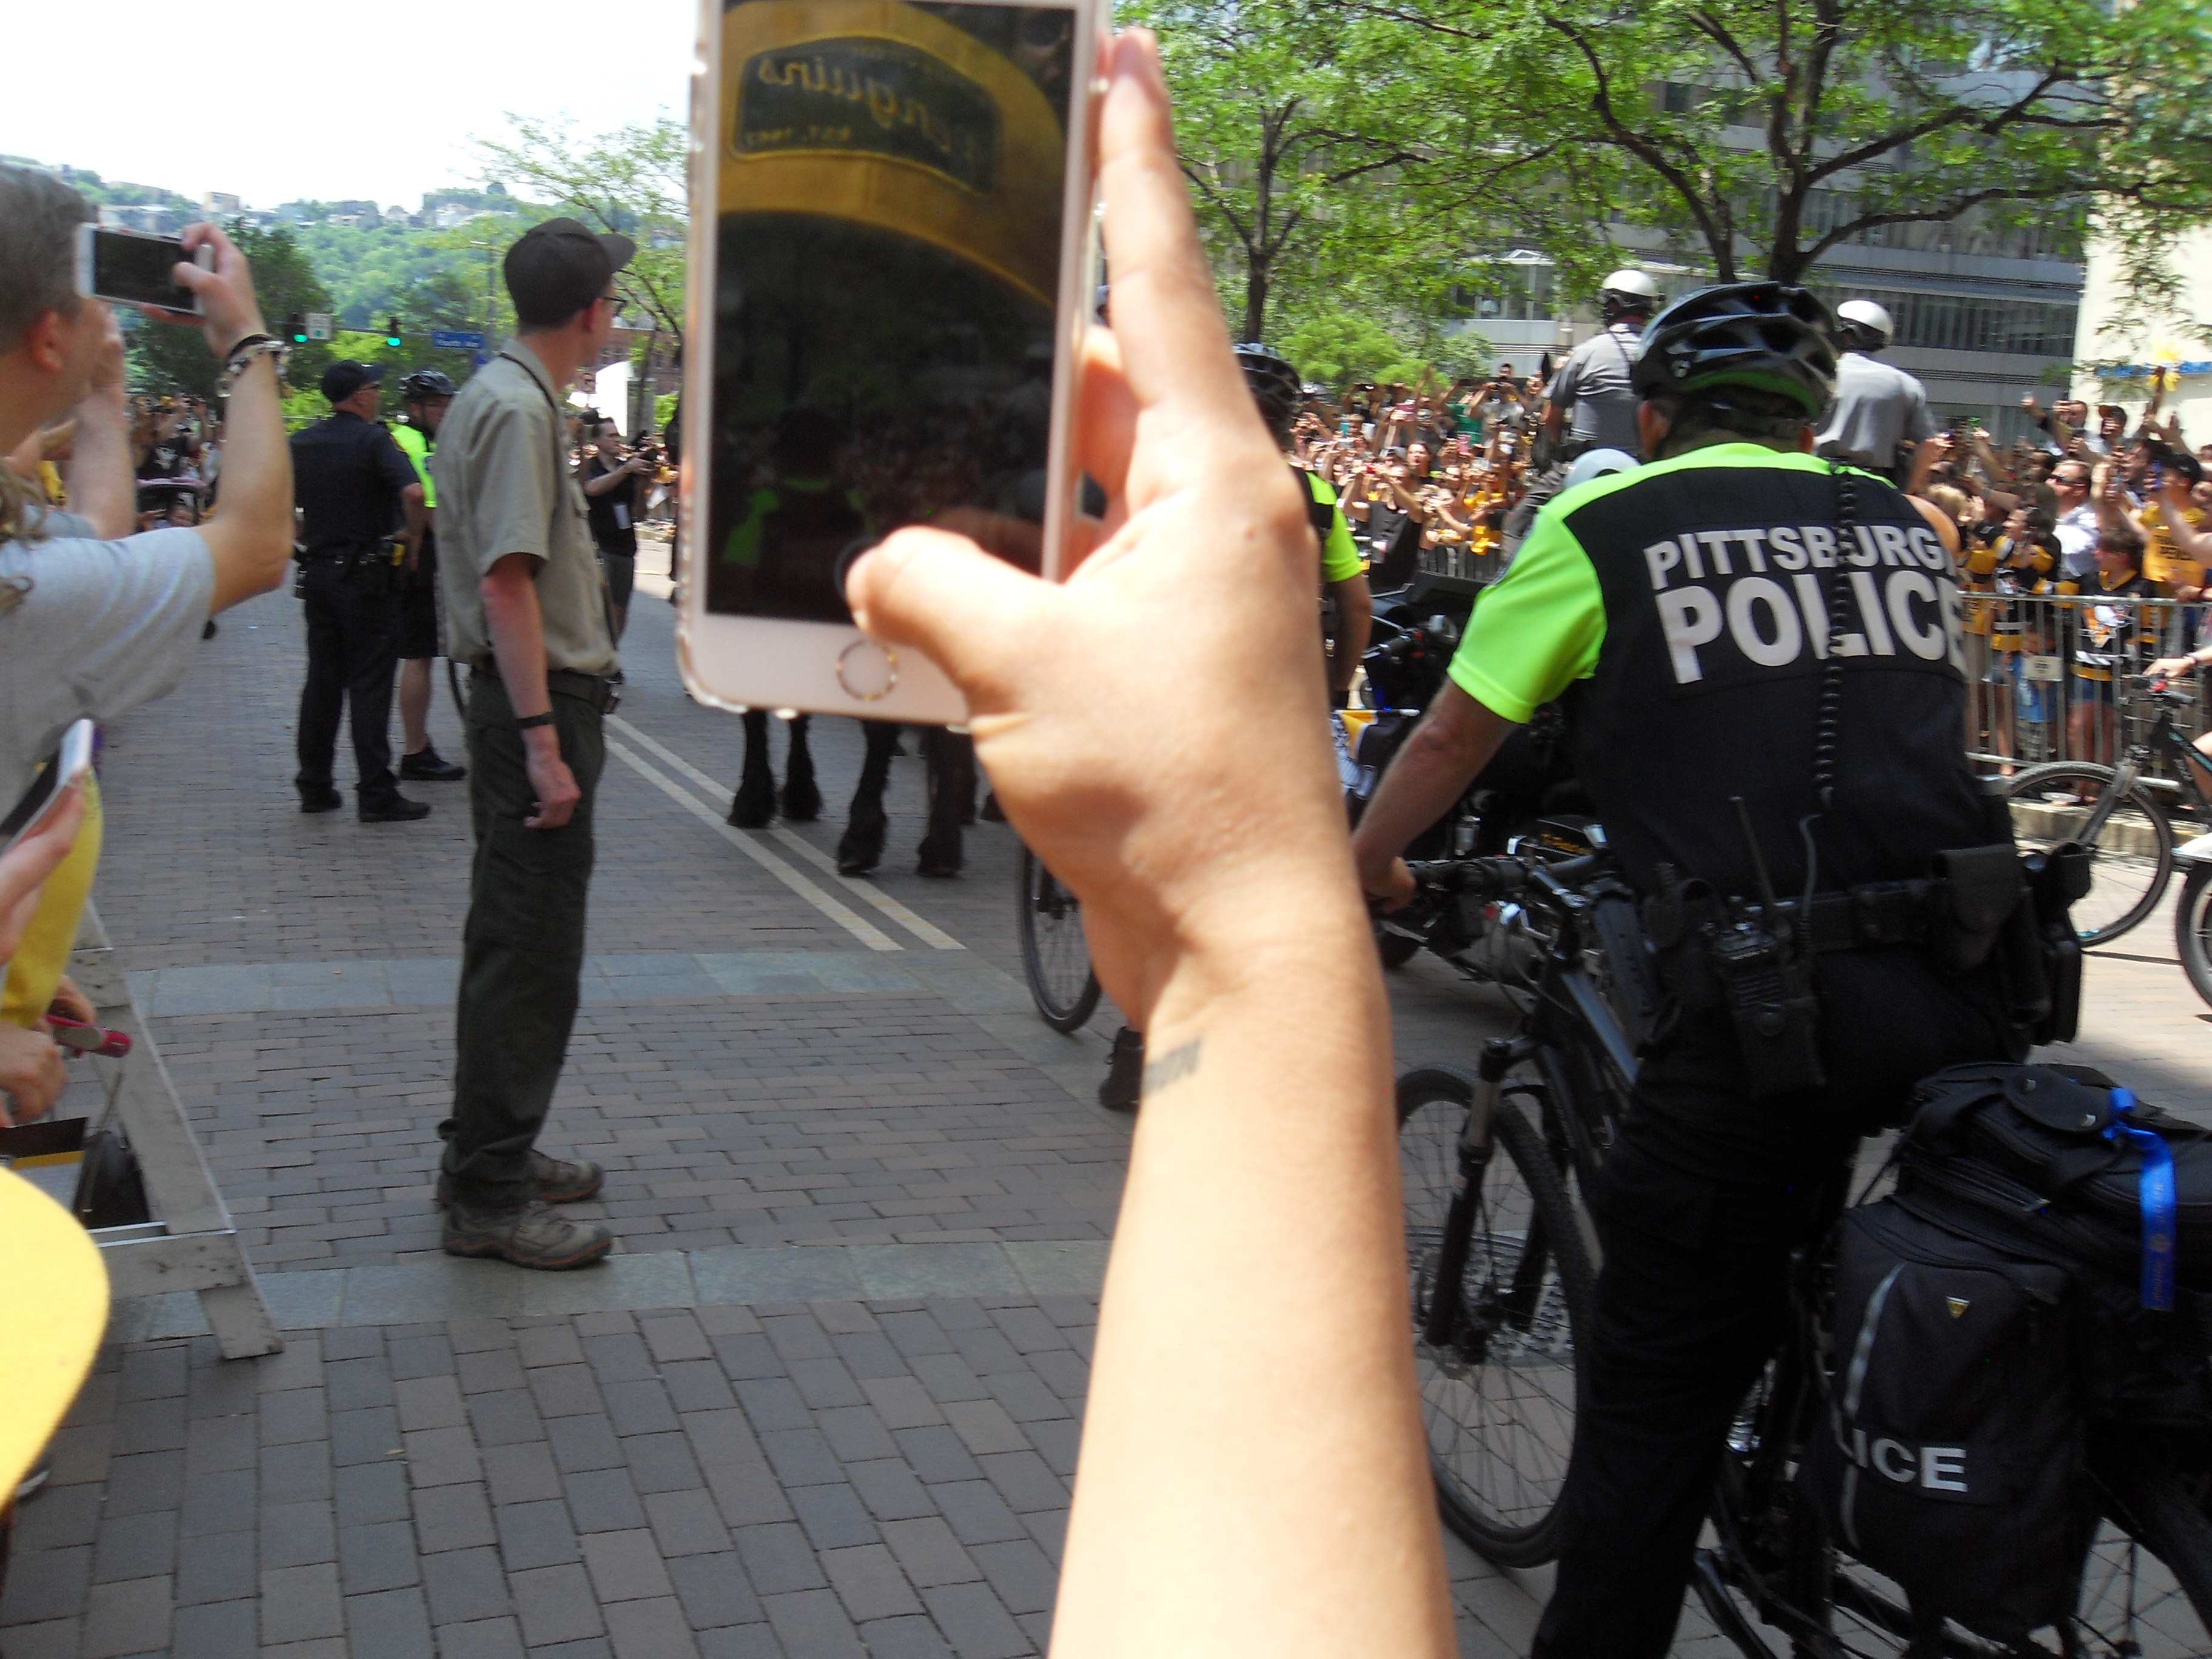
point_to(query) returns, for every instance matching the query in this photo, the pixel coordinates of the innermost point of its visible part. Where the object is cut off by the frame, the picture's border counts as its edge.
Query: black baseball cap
(559, 267)
(345, 377)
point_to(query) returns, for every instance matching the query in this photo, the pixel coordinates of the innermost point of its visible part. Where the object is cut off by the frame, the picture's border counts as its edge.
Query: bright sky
(272, 100)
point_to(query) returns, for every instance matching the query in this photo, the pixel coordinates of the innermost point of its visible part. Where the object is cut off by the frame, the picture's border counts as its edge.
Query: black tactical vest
(1715, 581)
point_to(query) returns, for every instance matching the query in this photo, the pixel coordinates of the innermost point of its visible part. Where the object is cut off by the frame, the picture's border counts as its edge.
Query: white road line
(936, 938)
(861, 930)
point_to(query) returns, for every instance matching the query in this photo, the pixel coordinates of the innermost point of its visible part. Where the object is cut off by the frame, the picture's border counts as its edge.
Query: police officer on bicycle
(1275, 387)
(1759, 655)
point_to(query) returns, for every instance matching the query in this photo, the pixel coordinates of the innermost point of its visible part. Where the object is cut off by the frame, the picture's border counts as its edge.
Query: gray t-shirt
(1592, 386)
(1877, 406)
(501, 467)
(95, 628)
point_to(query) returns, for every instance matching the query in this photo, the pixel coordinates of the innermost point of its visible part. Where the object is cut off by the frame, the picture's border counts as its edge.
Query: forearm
(602, 482)
(1263, 1175)
(101, 485)
(1448, 750)
(1355, 618)
(517, 626)
(257, 462)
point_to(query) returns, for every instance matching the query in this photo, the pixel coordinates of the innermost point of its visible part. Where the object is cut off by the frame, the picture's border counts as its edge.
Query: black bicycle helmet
(1770, 336)
(1273, 383)
(427, 383)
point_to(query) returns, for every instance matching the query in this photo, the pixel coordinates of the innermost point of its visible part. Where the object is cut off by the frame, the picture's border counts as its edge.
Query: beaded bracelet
(244, 353)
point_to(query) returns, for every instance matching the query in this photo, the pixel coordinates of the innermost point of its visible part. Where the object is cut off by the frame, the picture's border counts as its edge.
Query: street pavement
(825, 1401)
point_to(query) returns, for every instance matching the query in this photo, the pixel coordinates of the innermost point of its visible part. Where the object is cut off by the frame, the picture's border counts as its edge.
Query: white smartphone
(135, 268)
(45, 794)
(891, 218)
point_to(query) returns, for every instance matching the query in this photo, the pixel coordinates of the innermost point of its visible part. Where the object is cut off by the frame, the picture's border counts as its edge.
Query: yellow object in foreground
(53, 1308)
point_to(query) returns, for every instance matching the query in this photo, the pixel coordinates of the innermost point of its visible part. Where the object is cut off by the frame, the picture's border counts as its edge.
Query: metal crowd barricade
(1457, 560)
(2046, 676)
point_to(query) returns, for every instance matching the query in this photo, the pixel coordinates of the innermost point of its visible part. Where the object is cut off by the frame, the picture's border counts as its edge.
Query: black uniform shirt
(347, 474)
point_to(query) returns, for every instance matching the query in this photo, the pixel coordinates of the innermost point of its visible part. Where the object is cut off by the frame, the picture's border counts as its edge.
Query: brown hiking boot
(552, 1180)
(534, 1234)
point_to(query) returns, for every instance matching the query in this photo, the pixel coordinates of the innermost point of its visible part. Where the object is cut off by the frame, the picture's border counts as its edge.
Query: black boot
(802, 797)
(1125, 1072)
(754, 803)
(427, 765)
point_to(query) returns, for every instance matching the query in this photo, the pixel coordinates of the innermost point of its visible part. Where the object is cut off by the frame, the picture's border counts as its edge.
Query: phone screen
(137, 268)
(888, 248)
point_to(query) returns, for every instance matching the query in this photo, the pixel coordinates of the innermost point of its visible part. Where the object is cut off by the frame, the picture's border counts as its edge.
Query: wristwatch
(528, 721)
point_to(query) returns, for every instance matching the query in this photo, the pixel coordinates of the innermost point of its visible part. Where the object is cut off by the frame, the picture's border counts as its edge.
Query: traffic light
(296, 328)
(391, 332)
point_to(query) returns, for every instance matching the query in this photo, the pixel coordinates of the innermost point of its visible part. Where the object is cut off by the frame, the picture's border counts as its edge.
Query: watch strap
(528, 721)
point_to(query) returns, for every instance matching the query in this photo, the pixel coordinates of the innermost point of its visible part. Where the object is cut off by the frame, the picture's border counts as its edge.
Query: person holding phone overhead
(525, 612)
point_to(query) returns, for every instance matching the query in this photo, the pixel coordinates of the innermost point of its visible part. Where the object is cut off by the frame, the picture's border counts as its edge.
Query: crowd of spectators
(1419, 469)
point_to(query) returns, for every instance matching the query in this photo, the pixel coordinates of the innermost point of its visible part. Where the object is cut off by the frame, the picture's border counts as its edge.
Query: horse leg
(951, 758)
(754, 803)
(860, 849)
(802, 797)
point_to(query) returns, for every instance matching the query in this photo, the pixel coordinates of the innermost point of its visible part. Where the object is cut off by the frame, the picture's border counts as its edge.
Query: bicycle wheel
(2132, 858)
(1498, 1399)
(1055, 958)
(2192, 928)
(2147, 1589)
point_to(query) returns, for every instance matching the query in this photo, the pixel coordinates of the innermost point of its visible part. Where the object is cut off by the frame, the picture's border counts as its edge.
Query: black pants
(1699, 1209)
(522, 949)
(353, 645)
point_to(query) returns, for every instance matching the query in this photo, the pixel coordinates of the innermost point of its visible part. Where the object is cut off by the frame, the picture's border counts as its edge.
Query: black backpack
(1952, 1461)
(1986, 1315)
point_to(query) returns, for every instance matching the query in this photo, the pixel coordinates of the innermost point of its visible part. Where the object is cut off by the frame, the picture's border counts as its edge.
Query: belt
(593, 689)
(1876, 913)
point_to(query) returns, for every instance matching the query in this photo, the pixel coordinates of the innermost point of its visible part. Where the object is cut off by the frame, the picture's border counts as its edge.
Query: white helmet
(1598, 463)
(1865, 322)
(1627, 292)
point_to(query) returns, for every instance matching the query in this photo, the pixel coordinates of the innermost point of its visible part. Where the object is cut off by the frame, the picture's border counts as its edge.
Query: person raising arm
(1252, 1479)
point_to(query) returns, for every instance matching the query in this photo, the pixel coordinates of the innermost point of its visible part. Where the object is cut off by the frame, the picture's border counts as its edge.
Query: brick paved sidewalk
(823, 1401)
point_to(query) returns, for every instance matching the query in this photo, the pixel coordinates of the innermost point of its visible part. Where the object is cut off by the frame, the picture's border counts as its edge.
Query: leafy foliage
(632, 181)
(1762, 133)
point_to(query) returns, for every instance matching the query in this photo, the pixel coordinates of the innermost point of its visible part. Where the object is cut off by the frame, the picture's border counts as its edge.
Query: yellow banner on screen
(874, 111)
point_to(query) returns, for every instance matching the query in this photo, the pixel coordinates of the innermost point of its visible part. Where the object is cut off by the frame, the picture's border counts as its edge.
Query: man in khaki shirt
(526, 612)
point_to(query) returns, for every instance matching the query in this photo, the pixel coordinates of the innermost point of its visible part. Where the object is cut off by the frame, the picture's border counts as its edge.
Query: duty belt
(593, 689)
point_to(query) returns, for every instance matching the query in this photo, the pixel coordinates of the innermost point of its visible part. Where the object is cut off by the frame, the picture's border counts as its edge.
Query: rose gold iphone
(890, 224)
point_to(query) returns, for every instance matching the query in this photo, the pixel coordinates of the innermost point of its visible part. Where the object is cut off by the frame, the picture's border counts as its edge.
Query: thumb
(969, 613)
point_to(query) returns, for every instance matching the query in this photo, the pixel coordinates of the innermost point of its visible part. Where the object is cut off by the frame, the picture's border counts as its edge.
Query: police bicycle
(2123, 814)
(1503, 1266)
(1055, 955)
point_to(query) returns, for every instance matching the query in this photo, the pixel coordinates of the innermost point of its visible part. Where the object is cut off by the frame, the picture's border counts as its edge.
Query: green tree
(1295, 131)
(164, 357)
(1762, 133)
(633, 181)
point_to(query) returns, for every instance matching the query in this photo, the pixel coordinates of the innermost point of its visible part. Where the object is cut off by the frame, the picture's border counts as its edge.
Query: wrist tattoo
(1179, 1062)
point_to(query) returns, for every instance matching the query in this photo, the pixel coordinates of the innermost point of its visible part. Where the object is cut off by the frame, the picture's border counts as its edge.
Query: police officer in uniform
(1736, 630)
(426, 394)
(1273, 383)
(355, 488)
(1878, 405)
(1589, 404)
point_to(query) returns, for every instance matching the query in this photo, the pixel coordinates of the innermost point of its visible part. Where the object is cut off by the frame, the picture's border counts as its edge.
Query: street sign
(319, 325)
(458, 339)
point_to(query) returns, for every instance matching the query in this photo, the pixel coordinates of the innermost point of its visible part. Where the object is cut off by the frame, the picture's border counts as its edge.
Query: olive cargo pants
(522, 949)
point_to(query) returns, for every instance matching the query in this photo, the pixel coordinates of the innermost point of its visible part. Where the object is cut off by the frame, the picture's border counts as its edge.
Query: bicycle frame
(2131, 770)
(1569, 1018)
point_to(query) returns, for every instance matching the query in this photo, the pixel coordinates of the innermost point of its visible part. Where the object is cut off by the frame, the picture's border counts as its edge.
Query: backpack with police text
(1952, 1461)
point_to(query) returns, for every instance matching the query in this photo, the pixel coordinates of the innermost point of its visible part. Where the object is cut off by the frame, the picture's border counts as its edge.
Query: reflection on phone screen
(888, 249)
